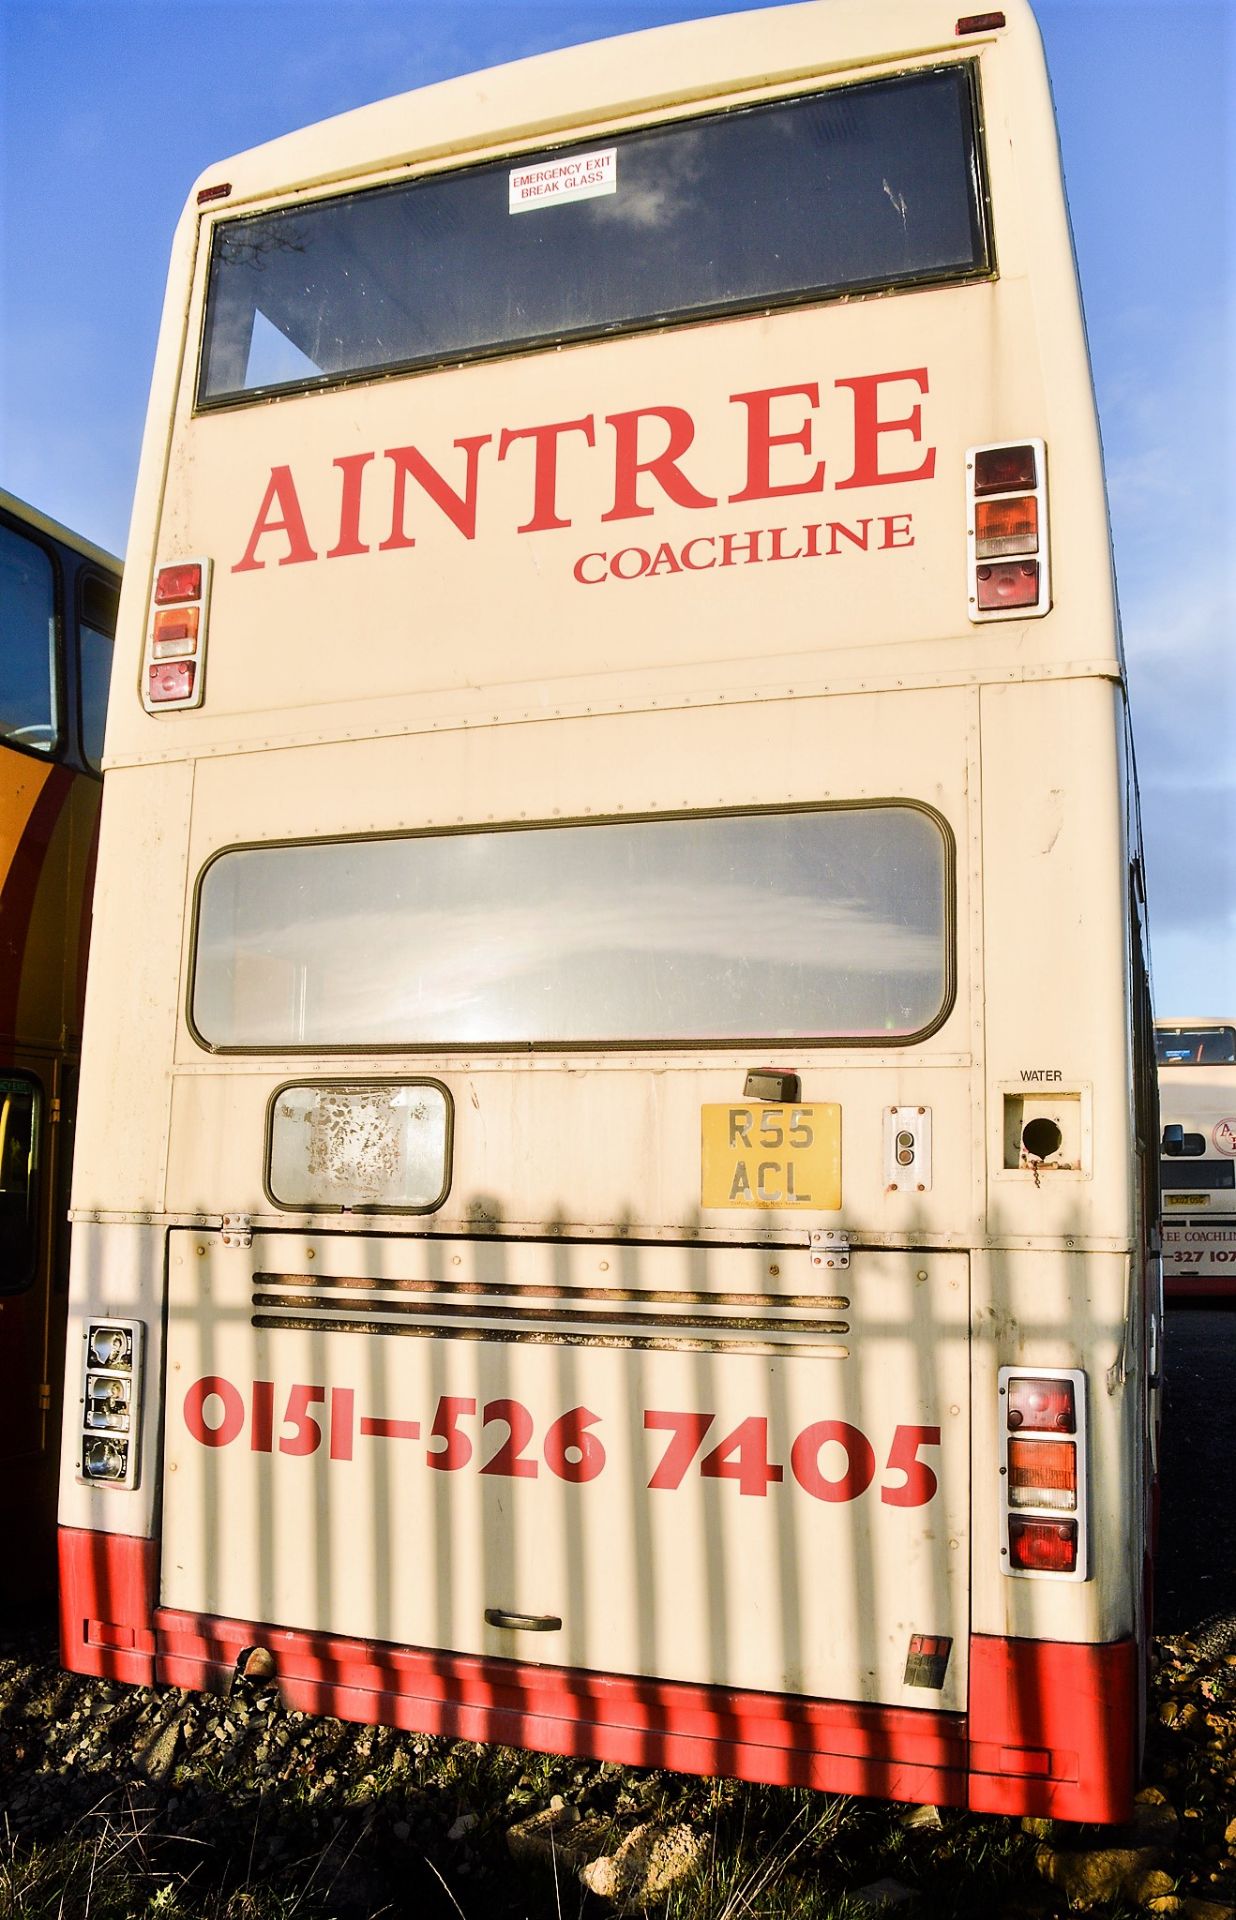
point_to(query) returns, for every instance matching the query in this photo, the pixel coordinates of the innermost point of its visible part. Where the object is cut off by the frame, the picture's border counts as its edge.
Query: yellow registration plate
(766, 1156)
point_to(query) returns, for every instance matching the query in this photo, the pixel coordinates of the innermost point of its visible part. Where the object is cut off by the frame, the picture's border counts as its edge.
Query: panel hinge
(45, 1397)
(830, 1247)
(237, 1230)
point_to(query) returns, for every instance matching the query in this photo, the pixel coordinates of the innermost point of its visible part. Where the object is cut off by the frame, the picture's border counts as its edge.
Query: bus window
(1195, 1046)
(696, 931)
(96, 630)
(19, 1136)
(27, 643)
(763, 206)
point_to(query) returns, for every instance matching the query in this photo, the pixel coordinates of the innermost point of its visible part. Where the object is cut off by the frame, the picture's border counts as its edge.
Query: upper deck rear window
(1195, 1046)
(863, 187)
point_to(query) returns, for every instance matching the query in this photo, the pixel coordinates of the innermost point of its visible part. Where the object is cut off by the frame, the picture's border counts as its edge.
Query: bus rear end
(610, 1213)
(1197, 1102)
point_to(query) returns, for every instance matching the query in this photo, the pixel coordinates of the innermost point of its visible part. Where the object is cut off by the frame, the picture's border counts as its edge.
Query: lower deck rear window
(821, 924)
(1217, 1175)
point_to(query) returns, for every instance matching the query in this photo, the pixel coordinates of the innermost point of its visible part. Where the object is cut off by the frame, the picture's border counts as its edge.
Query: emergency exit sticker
(771, 1156)
(585, 176)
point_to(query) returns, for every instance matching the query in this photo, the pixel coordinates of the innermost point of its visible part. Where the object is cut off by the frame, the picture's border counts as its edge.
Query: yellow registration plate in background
(770, 1156)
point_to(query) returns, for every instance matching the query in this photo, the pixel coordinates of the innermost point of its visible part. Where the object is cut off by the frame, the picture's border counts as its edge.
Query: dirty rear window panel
(828, 924)
(1195, 1046)
(862, 187)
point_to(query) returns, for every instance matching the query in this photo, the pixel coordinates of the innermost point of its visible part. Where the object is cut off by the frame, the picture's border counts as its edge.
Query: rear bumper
(1180, 1287)
(1049, 1730)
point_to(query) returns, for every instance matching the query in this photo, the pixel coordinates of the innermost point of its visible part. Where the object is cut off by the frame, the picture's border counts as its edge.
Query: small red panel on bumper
(1052, 1728)
(107, 1598)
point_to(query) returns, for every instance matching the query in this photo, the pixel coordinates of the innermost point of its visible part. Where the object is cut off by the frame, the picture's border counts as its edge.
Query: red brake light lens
(1043, 1473)
(178, 583)
(1041, 1406)
(1004, 469)
(1043, 1546)
(1010, 583)
(171, 680)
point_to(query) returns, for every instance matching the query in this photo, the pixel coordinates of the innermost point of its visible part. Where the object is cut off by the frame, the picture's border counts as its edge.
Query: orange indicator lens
(175, 633)
(1006, 526)
(1043, 1473)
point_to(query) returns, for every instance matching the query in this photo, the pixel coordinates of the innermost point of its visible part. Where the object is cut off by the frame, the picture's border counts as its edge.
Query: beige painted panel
(132, 990)
(1045, 1307)
(534, 1139)
(1055, 893)
(489, 619)
(773, 1587)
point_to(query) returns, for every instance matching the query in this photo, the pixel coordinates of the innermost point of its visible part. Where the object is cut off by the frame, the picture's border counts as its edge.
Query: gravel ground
(124, 1801)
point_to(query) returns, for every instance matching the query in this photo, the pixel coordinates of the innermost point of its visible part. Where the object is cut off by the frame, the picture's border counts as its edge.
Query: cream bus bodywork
(388, 657)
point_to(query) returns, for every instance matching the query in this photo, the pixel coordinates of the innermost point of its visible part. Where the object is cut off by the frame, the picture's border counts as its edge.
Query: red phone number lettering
(831, 1460)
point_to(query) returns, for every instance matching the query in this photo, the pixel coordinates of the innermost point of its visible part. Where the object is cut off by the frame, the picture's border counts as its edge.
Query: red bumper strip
(1038, 1740)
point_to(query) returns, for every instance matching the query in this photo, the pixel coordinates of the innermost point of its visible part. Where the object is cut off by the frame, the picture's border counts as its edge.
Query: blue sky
(110, 108)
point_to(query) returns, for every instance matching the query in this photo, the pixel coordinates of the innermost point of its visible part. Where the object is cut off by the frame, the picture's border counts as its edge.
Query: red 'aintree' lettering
(780, 429)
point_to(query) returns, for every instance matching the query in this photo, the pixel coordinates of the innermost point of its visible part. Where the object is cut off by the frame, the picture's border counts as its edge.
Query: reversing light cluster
(1006, 502)
(1043, 1472)
(111, 1403)
(176, 636)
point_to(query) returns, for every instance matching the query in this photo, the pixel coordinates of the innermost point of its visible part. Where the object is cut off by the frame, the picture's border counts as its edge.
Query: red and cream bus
(617, 1159)
(57, 617)
(1197, 1103)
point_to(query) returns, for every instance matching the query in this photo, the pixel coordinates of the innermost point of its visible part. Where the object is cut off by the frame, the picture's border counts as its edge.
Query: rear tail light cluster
(111, 1403)
(1006, 502)
(176, 636)
(1043, 1472)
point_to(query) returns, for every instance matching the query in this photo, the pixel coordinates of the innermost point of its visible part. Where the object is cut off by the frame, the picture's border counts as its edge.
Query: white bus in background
(1197, 1108)
(610, 1212)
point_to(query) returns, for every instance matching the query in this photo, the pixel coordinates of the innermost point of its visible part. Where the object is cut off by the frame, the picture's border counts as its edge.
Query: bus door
(744, 1466)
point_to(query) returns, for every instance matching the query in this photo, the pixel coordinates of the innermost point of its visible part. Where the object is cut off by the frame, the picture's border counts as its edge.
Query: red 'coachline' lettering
(653, 459)
(818, 539)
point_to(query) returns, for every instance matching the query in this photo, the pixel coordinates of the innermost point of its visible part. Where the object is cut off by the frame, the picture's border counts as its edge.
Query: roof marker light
(980, 23)
(219, 192)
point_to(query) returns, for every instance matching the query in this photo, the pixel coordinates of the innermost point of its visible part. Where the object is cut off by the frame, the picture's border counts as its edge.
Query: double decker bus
(616, 1179)
(1197, 1102)
(58, 597)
